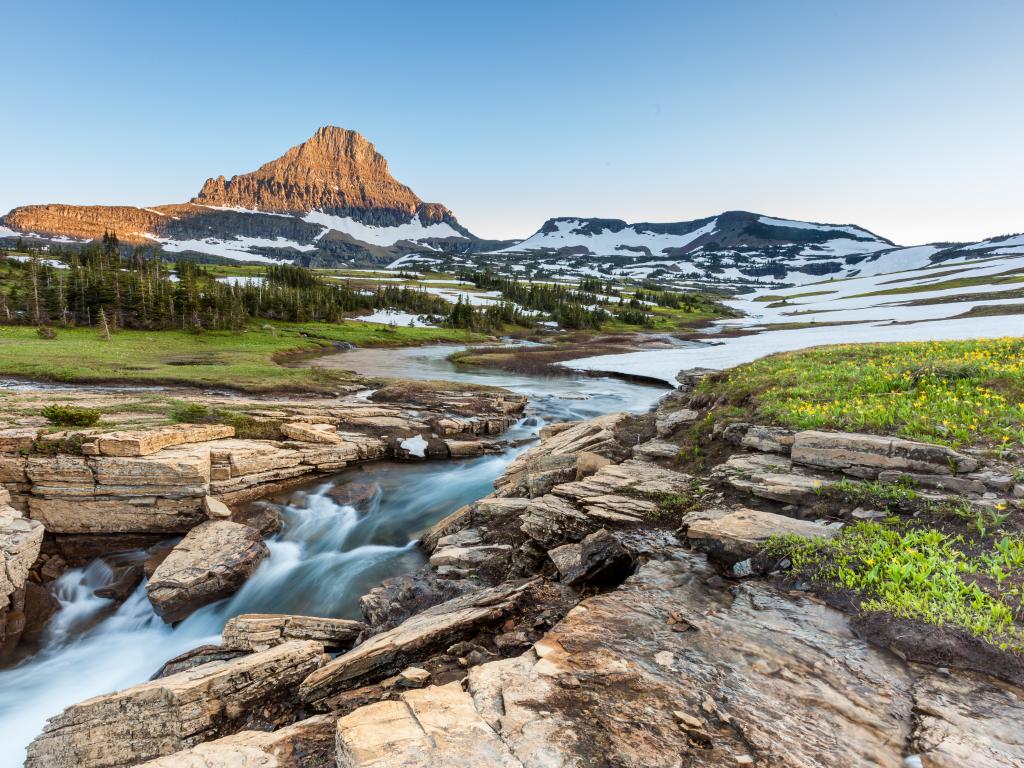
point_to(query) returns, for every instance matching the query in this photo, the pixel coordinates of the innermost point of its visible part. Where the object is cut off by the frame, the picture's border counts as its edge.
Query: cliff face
(336, 171)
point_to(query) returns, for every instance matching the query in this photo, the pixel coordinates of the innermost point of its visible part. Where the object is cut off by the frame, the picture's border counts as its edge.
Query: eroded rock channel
(588, 600)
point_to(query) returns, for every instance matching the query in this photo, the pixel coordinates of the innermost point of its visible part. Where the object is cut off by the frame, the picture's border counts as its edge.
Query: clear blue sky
(904, 117)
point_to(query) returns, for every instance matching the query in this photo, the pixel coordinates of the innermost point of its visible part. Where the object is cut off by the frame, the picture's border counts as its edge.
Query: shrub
(45, 332)
(190, 413)
(70, 415)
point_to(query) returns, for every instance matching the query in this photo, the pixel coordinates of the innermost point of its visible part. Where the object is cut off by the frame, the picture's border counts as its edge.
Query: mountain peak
(336, 170)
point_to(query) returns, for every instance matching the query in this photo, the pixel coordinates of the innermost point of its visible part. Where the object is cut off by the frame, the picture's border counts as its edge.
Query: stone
(142, 442)
(732, 535)
(308, 743)
(653, 450)
(311, 433)
(396, 599)
(20, 542)
(142, 514)
(414, 677)
(426, 728)
(259, 631)
(966, 719)
(588, 462)
(216, 509)
(459, 449)
(486, 510)
(12, 469)
(552, 521)
(412, 640)
(770, 477)
(354, 493)
(961, 484)
(212, 561)
(864, 455)
(667, 423)
(467, 557)
(164, 716)
(17, 440)
(534, 472)
(194, 657)
(598, 560)
(602, 687)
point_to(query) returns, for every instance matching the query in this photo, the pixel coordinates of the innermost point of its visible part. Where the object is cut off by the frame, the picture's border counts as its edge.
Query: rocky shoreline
(603, 607)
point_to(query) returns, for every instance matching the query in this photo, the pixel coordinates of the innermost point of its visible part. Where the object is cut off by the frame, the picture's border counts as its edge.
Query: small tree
(104, 326)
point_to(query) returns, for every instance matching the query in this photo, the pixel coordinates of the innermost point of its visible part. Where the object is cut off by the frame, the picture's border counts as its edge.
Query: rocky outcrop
(143, 442)
(260, 631)
(173, 713)
(308, 743)
(413, 639)
(667, 671)
(865, 456)
(211, 562)
(20, 541)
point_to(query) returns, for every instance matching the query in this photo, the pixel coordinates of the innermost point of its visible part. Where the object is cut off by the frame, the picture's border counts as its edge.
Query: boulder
(654, 450)
(210, 563)
(598, 560)
(863, 455)
(308, 743)
(142, 442)
(412, 640)
(668, 422)
(216, 509)
(174, 713)
(459, 449)
(732, 535)
(259, 631)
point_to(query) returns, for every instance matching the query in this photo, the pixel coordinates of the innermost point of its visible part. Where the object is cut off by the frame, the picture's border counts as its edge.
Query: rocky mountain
(735, 247)
(329, 200)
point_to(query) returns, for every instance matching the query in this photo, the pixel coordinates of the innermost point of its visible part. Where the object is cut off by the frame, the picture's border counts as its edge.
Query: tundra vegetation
(938, 557)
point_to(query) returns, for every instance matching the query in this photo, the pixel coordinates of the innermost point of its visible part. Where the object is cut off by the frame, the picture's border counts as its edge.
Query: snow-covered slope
(959, 297)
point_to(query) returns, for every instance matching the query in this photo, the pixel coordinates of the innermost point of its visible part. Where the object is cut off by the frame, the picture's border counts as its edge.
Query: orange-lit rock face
(336, 170)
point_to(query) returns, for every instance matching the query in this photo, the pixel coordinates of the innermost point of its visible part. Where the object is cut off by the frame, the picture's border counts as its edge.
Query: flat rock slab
(426, 728)
(311, 433)
(20, 541)
(177, 712)
(863, 455)
(412, 640)
(666, 671)
(308, 743)
(259, 631)
(212, 561)
(732, 535)
(142, 442)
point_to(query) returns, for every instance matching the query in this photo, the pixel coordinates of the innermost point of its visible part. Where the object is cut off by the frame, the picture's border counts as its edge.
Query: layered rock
(211, 562)
(260, 631)
(732, 535)
(416, 637)
(20, 541)
(173, 713)
(308, 743)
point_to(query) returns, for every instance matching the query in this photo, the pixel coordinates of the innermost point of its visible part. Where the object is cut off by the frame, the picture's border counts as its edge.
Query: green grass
(920, 574)
(249, 360)
(951, 392)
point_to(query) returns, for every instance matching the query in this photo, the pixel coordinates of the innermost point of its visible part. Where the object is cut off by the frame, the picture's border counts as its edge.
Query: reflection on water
(328, 553)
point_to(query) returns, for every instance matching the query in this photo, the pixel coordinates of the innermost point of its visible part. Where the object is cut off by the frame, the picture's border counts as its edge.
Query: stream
(326, 556)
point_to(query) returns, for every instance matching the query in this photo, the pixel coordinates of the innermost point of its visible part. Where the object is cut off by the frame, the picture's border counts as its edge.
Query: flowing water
(325, 557)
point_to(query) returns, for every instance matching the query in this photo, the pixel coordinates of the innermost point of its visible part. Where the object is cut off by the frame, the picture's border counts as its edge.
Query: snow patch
(415, 445)
(411, 230)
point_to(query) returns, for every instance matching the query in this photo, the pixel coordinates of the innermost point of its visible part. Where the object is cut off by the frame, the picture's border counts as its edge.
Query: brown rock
(173, 713)
(311, 433)
(863, 455)
(211, 562)
(412, 640)
(142, 442)
(736, 534)
(259, 631)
